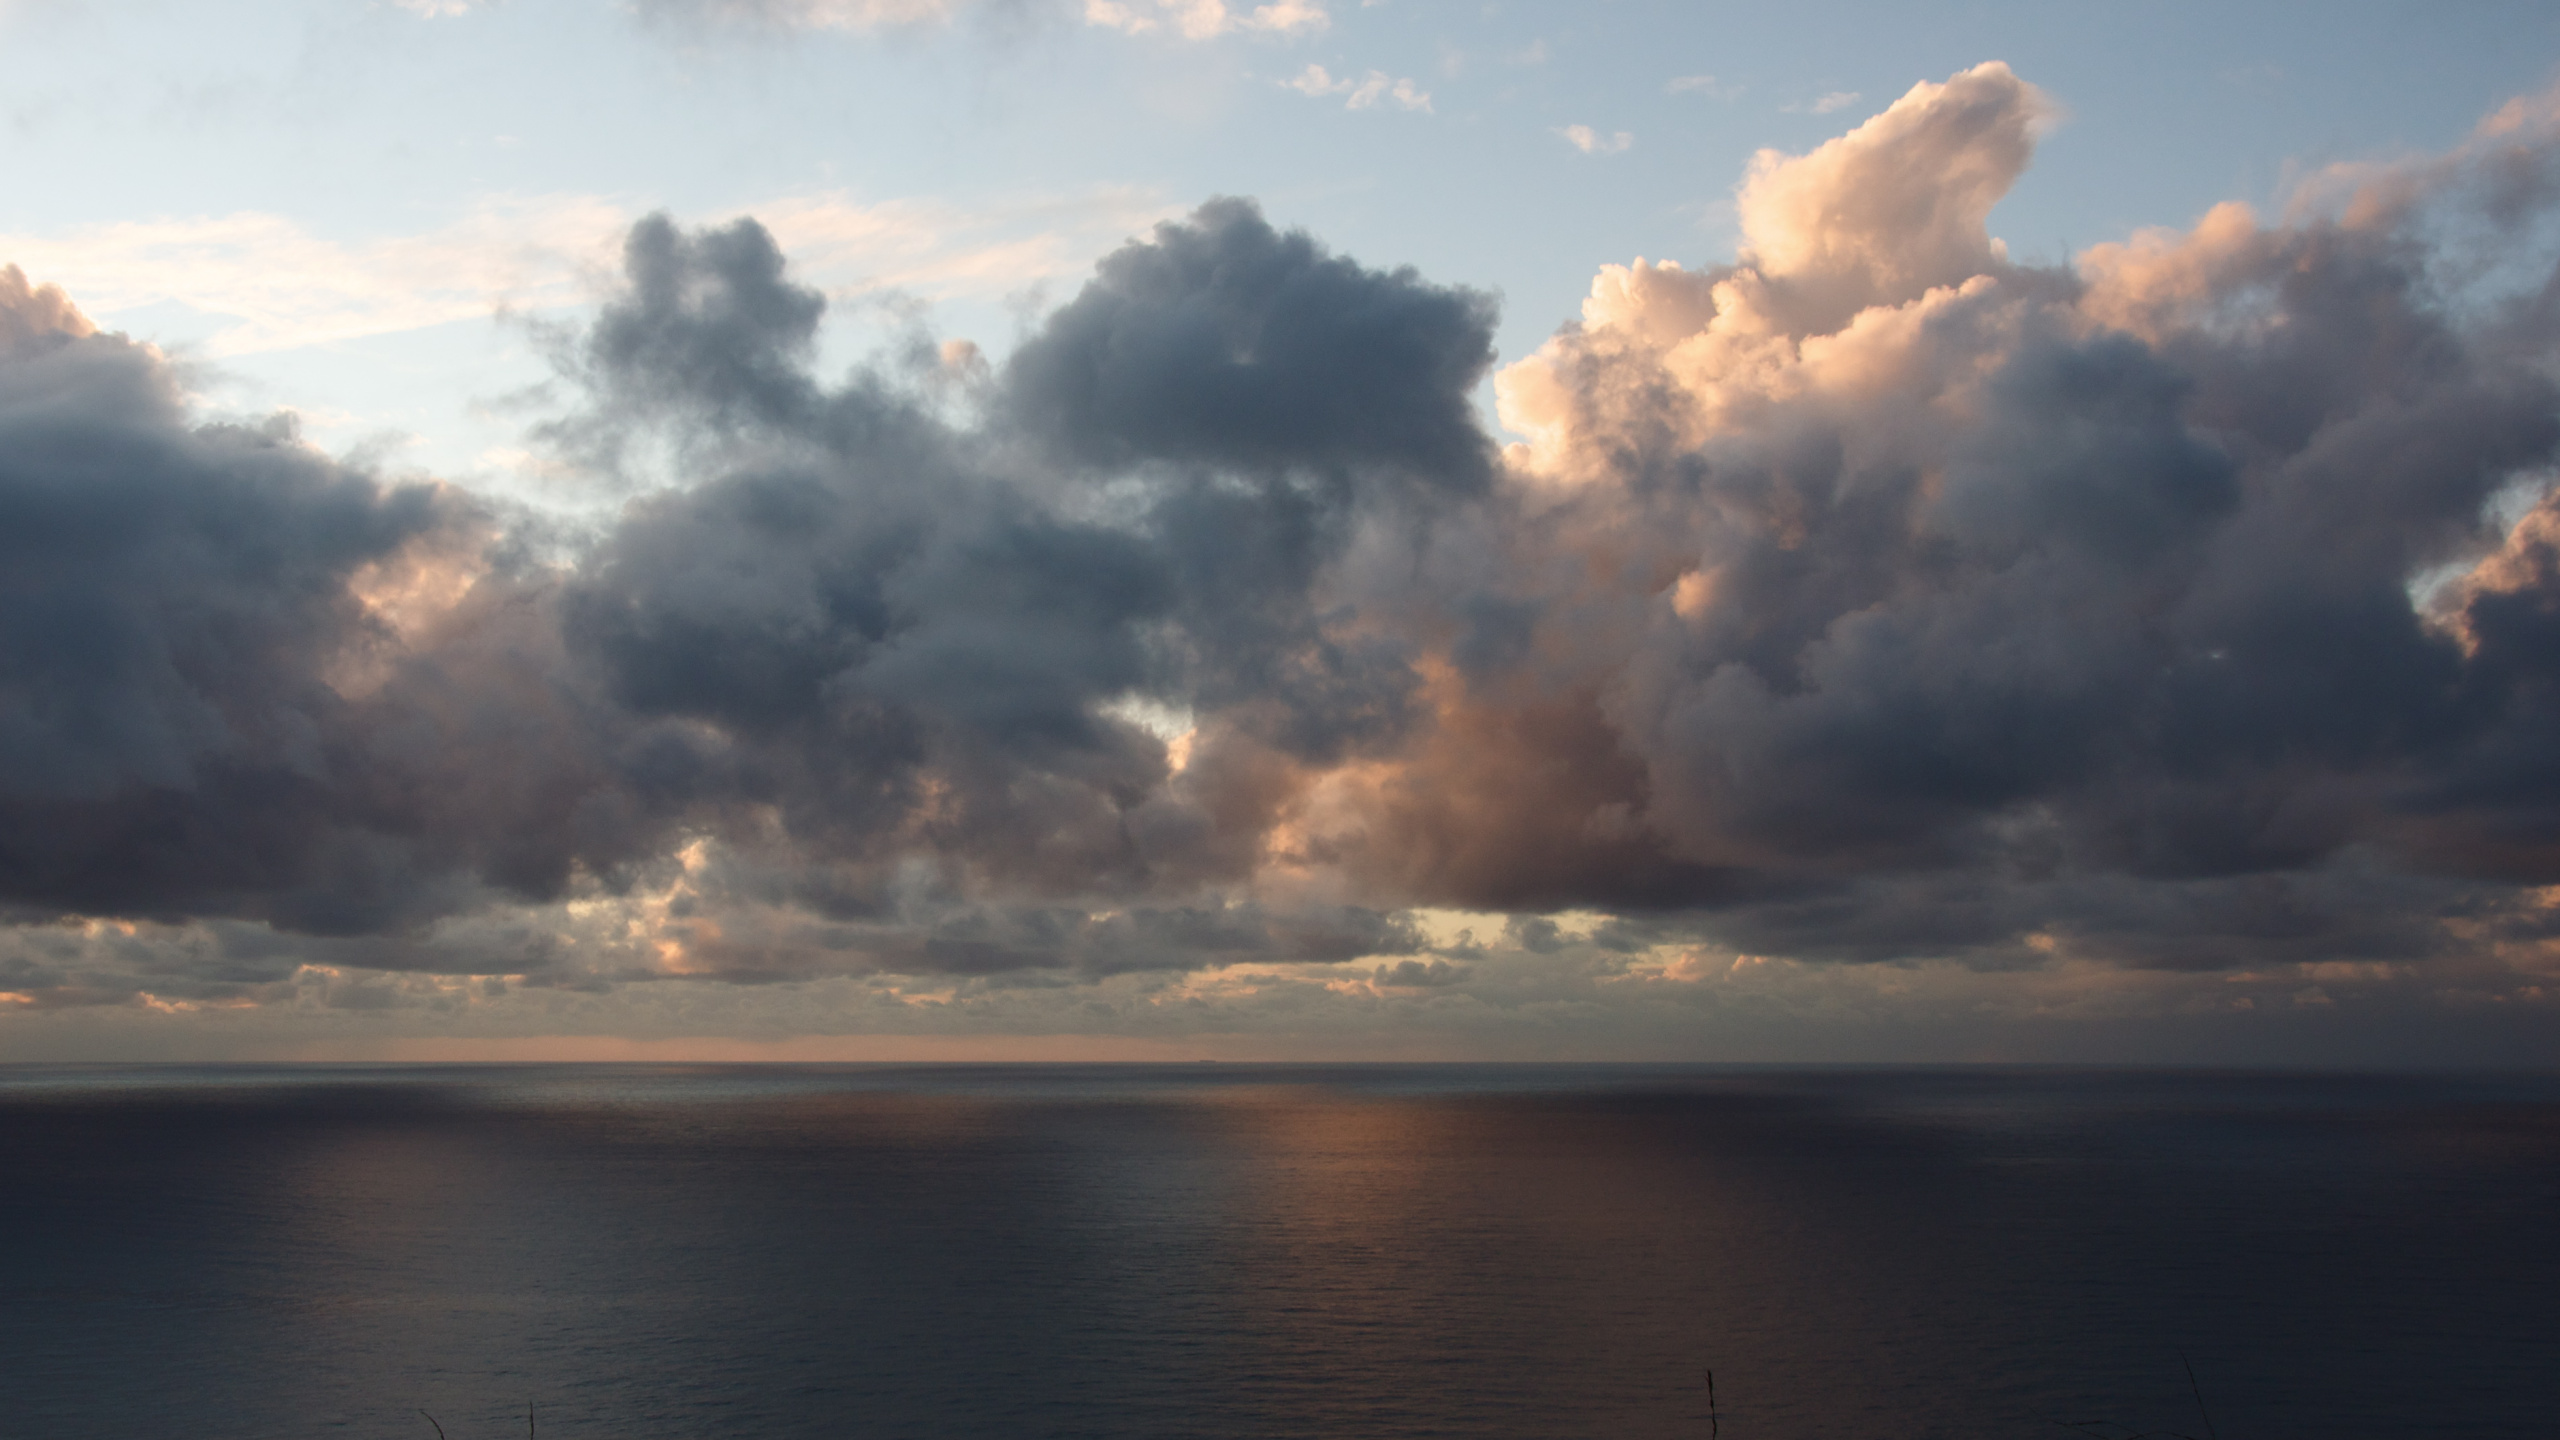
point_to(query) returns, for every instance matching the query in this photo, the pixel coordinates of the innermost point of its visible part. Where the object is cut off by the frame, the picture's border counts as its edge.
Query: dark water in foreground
(1249, 1251)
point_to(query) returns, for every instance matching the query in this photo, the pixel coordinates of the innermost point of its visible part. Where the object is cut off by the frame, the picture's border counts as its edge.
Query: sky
(1168, 529)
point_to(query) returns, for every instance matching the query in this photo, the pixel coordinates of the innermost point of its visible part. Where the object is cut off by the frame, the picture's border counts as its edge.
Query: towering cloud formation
(1911, 562)
(1873, 596)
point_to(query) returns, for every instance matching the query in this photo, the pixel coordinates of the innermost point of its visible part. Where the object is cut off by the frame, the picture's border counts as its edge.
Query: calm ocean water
(1220, 1250)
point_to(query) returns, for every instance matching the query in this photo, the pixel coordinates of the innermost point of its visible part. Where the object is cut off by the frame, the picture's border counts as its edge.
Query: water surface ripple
(763, 1253)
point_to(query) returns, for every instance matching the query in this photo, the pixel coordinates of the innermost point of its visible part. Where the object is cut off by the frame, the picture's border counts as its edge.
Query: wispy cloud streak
(271, 284)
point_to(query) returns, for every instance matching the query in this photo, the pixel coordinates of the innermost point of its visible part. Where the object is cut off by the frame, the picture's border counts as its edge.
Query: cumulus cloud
(1361, 94)
(1592, 142)
(2005, 579)
(883, 666)
(182, 599)
(1871, 598)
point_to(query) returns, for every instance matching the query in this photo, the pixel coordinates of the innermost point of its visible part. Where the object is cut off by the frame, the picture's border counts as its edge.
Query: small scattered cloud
(1206, 19)
(1836, 100)
(800, 14)
(1376, 87)
(1592, 142)
(1187, 19)
(1368, 91)
(435, 9)
(1314, 81)
(1706, 85)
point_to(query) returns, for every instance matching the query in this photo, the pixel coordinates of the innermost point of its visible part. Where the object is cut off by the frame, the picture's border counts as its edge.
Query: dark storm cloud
(902, 637)
(855, 638)
(1278, 400)
(1226, 342)
(1870, 598)
(729, 354)
(240, 679)
(169, 742)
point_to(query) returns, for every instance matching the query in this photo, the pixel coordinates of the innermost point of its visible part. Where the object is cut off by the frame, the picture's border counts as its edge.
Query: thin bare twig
(2109, 1430)
(432, 1421)
(1713, 1425)
(2192, 1385)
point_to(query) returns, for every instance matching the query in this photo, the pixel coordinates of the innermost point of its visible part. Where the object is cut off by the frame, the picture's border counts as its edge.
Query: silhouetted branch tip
(2199, 1391)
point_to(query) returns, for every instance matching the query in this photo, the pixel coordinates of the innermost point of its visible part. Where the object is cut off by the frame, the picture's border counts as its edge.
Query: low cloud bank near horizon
(1872, 606)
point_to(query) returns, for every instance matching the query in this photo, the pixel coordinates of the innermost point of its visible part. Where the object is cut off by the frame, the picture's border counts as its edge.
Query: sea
(683, 1252)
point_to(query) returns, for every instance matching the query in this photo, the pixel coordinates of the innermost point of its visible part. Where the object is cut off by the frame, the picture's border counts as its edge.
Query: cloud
(883, 667)
(1375, 86)
(1221, 340)
(1362, 94)
(182, 599)
(282, 286)
(1185, 19)
(1898, 206)
(1825, 104)
(1206, 19)
(2059, 635)
(853, 15)
(1591, 142)
(2006, 579)
(1316, 81)
(274, 285)
(1707, 85)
